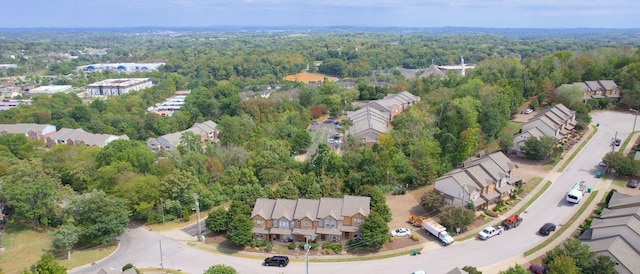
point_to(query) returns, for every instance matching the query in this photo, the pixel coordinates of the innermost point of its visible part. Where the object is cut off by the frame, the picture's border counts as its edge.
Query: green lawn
(23, 247)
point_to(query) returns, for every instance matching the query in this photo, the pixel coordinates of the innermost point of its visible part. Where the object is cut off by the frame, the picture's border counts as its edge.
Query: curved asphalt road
(142, 247)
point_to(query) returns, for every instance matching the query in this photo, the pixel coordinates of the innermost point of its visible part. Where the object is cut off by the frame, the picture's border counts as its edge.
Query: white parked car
(419, 272)
(401, 232)
(528, 111)
(332, 141)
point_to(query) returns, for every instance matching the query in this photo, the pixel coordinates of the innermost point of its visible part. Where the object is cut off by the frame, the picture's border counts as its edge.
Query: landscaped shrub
(268, 247)
(332, 246)
(491, 213)
(257, 243)
(292, 246)
(415, 237)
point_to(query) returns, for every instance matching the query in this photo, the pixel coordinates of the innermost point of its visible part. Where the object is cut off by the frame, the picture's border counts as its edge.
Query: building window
(284, 223)
(358, 221)
(305, 224)
(258, 223)
(330, 223)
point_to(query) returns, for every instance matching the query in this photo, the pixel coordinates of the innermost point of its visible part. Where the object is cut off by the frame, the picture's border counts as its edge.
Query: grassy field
(23, 247)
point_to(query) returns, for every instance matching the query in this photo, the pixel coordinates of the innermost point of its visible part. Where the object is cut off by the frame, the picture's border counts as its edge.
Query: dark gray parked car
(280, 261)
(547, 228)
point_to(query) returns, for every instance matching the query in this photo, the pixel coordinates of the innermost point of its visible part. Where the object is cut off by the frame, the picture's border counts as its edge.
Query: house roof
(619, 200)
(284, 208)
(263, 208)
(627, 227)
(367, 119)
(24, 128)
(594, 85)
(480, 175)
(306, 208)
(353, 205)
(432, 70)
(457, 270)
(612, 213)
(619, 250)
(330, 207)
(79, 136)
(608, 84)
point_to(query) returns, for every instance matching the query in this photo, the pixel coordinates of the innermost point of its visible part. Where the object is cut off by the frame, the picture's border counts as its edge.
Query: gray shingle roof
(284, 208)
(263, 208)
(353, 205)
(619, 200)
(619, 250)
(306, 208)
(330, 207)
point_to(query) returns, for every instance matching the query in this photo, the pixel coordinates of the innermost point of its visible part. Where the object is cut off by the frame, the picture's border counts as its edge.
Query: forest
(456, 118)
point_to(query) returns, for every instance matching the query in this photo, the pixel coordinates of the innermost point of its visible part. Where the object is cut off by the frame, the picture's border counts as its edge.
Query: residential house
(206, 130)
(32, 131)
(556, 122)
(616, 233)
(282, 219)
(367, 124)
(373, 118)
(77, 137)
(596, 89)
(432, 70)
(483, 182)
(327, 219)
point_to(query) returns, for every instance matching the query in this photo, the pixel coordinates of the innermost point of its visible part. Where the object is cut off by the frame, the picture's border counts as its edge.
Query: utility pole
(195, 196)
(161, 260)
(635, 119)
(306, 254)
(613, 144)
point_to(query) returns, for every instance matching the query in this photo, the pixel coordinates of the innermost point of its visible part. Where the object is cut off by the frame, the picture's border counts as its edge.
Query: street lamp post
(635, 119)
(195, 196)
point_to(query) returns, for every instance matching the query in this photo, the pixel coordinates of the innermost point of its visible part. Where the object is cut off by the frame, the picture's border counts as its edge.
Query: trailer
(512, 222)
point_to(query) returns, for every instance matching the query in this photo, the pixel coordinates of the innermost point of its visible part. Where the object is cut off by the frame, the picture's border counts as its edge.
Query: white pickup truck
(490, 231)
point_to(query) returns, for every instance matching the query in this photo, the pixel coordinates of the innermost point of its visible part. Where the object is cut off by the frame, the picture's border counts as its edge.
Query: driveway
(142, 247)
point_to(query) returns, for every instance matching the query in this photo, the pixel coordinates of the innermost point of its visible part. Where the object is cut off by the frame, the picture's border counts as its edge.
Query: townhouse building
(327, 219)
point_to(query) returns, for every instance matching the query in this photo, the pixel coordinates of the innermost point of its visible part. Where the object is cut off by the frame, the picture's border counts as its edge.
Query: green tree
(33, 192)
(563, 264)
(540, 148)
(239, 231)
(516, 269)
(47, 265)
(432, 200)
(217, 220)
(472, 270)
(505, 141)
(378, 201)
(220, 269)
(375, 231)
(603, 265)
(65, 238)
(14, 142)
(134, 152)
(100, 216)
(456, 217)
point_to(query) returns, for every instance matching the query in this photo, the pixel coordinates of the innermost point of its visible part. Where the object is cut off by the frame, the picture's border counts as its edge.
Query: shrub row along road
(142, 247)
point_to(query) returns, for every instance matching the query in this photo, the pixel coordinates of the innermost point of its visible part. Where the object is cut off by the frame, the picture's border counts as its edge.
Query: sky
(620, 14)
